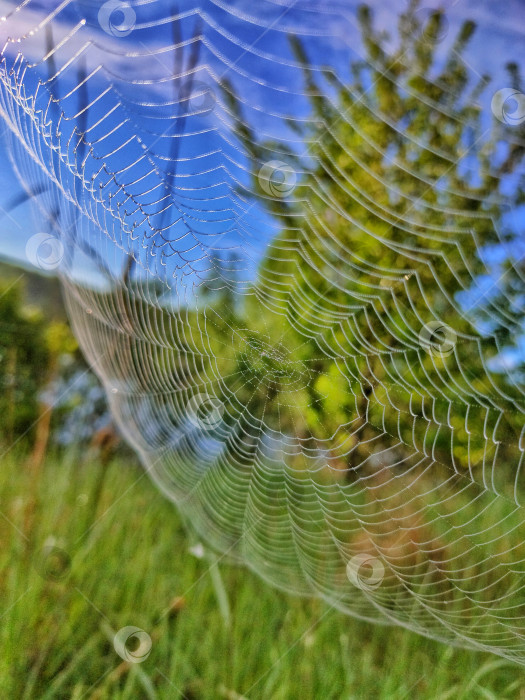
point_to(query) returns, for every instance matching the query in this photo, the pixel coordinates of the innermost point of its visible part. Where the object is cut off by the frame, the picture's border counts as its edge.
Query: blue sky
(245, 42)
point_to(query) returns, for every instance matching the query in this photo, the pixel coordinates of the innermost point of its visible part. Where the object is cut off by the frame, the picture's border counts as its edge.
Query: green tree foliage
(382, 236)
(24, 357)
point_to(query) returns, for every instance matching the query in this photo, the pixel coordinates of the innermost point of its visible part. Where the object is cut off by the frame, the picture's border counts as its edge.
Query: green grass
(228, 635)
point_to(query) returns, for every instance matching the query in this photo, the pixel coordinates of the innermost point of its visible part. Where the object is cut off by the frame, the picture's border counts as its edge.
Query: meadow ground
(88, 549)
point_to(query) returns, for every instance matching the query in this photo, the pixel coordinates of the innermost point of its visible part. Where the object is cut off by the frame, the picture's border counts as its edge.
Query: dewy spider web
(281, 272)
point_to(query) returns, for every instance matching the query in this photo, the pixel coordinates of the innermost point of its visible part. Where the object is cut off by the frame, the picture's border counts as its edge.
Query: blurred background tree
(23, 360)
(389, 231)
(49, 395)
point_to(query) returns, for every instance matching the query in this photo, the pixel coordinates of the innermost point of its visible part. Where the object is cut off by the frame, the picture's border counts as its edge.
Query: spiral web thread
(284, 342)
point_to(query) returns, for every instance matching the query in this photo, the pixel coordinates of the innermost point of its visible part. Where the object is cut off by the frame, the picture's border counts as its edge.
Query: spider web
(280, 285)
